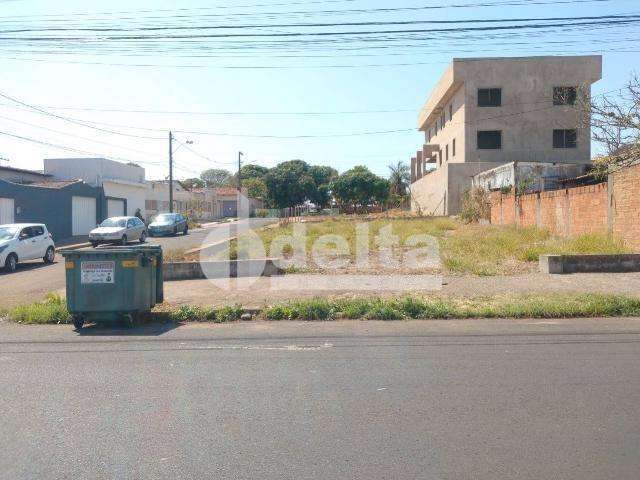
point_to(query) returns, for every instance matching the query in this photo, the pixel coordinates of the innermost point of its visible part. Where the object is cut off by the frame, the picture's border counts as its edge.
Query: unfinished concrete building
(486, 112)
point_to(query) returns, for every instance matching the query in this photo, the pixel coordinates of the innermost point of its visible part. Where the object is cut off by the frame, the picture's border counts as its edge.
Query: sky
(353, 98)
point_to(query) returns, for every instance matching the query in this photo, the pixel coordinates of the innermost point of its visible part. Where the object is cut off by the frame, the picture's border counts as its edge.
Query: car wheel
(123, 240)
(143, 237)
(11, 263)
(78, 321)
(94, 244)
(50, 255)
(186, 230)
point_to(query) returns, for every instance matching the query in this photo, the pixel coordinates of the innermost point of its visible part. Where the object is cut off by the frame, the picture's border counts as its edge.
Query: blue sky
(70, 77)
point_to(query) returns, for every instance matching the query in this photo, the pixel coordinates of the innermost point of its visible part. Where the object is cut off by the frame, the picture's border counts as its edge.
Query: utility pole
(239, 166)
(170, 173)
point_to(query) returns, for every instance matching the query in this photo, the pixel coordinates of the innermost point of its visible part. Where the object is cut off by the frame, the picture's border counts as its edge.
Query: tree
(615, 124)
(360, 187)
(399, 178)
(191, 183)
(290, 184)
(215, 177)
(322, 176)
(248, 171)
(256, 188)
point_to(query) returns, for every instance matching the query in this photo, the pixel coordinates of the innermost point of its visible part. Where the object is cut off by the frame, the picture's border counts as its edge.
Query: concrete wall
(528, 116)
(51, 206)
(611, 207)
(93, 171)
(530, 176)
(428, 194)
(441, 191)
(134, 194)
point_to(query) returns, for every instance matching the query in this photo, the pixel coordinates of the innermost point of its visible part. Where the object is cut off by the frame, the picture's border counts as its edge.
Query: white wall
(93, 171)
(134, 194)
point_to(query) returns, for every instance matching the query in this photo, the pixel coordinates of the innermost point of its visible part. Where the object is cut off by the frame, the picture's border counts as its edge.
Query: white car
(119, 230)
(25, 241)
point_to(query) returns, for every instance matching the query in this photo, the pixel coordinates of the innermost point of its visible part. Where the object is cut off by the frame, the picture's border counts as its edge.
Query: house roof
(226, 191)
(53, 183)
(22, 170)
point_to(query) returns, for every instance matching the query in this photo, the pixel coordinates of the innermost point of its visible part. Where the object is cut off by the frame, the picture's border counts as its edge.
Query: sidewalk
(256, 292)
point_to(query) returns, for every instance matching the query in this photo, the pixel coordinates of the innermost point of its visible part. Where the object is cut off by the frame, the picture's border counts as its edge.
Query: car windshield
(7, 232)
(165, 218)
(114, 222)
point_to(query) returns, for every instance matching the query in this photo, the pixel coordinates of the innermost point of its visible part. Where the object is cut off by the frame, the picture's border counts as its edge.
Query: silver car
(119, 230)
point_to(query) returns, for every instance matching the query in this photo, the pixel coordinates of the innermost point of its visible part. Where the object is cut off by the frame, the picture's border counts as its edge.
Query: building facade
(123, 183)
(68, 208)
(485, 112)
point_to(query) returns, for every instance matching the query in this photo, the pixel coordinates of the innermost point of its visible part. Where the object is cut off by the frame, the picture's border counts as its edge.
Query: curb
(75, 246)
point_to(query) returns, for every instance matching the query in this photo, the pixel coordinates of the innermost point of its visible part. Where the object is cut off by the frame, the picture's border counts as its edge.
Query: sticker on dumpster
(97, 272)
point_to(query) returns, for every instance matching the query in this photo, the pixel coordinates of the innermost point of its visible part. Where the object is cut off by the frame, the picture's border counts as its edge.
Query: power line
(76, 136)
(631, 19)
(187, 112)
(72, 120)
(484, 4)
(317, 24)
(71, 149)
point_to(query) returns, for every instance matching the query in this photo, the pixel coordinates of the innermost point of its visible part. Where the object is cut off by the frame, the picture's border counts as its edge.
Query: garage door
(115, 208)
(83, 215)
(6, 210)
(229, 208)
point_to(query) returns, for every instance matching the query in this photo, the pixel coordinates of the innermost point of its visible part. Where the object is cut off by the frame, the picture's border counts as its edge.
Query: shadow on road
(150, 330)
(27, 266)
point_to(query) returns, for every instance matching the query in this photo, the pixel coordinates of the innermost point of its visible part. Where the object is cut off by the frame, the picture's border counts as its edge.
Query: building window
(489, 140)
(564, 95)
(451, 112)
(443, 119)
(453, 148)
(565, 139)
(489, 97)
(446, 152)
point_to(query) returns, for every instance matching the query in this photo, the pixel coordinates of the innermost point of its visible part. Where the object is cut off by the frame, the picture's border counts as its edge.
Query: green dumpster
(113, 283)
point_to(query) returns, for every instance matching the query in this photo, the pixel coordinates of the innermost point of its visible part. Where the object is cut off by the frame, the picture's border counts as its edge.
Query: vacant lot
(333, 246)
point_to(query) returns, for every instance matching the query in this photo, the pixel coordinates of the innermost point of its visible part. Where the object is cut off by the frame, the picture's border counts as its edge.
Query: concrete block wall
(609, 207)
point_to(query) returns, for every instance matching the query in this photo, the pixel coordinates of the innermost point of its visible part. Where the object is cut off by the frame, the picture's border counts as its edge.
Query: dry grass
(464, 249)
(500, 250)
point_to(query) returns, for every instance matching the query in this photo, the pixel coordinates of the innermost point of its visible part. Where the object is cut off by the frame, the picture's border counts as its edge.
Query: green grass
(53, 309)
(522, 306)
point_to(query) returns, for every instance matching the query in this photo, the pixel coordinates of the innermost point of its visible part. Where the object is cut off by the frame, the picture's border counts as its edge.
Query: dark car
(168, 224)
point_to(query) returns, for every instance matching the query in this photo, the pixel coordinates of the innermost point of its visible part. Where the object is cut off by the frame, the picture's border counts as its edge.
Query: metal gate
(115, 208)
(229, 208)
(6, 210)
(83, 215)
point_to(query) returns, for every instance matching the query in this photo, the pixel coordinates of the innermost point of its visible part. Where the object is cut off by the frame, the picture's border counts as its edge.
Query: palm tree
(399, 178)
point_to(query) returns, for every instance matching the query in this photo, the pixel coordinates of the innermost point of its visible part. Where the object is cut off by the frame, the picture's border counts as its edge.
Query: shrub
(228, 314)
(476, 205)
(191, 313)
(52, 310)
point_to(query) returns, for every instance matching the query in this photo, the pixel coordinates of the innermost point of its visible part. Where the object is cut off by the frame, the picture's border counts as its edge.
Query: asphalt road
(355, 400)
(34, 279)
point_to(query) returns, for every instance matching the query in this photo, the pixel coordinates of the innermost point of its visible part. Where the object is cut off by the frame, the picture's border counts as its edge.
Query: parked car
(168, 224)
(25, 241)
(118, 230)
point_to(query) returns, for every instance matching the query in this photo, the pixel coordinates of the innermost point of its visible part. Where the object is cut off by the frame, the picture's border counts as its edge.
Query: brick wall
(609, 207)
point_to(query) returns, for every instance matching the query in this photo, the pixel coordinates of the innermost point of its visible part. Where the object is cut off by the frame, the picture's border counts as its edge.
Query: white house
(123, 183)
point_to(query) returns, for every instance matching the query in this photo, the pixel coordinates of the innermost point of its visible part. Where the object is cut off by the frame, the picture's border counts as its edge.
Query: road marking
(288, 348)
